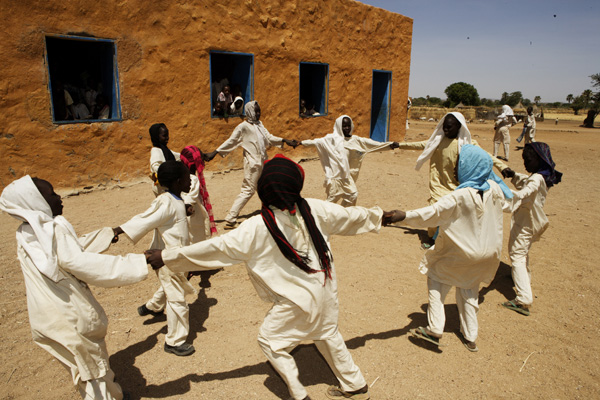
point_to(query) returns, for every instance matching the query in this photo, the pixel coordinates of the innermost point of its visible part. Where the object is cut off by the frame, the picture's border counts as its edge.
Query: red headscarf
(191, 156)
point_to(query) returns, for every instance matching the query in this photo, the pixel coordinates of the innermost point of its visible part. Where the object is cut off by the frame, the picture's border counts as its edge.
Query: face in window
(163, 136)
(257, 111)
(347, 127)
(451, 126)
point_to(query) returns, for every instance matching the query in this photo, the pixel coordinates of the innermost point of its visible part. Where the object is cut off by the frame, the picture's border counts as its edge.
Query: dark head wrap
(154, 132)
(551, 176)
(279, 185)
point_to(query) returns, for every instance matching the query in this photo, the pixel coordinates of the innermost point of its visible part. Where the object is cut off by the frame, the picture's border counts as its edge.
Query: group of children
(286, 249)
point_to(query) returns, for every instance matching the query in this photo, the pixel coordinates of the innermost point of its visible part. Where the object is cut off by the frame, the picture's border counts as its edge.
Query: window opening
(381, 98)
(314, 88)
(231, 76)
(83, 79)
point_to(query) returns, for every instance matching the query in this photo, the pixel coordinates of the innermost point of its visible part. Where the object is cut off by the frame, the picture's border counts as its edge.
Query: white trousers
(467, 301)
(334, 351)
(178, 317)
(342, 190)
(104, 388)
(249, 184)
(519, 243)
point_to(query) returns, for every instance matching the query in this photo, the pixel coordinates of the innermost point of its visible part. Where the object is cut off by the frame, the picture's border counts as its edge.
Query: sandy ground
(553, 354)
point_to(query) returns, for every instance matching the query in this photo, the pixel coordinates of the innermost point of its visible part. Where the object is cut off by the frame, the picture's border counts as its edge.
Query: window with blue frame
(83, 79)
(314, 88)
(231, 83)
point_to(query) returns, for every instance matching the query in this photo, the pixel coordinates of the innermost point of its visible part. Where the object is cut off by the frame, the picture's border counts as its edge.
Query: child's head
(239, 102)
(192, 157)
(347, 127)
(175, 176)
(159, 135)
(451, 126)
(226, 90)
(529, 110)
(47, 192)
(531, 159)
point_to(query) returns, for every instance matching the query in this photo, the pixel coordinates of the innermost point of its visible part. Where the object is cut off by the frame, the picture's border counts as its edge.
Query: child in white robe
(66, 320)
(159, 135)
(254, 139)
(468, 248)
(167, 218)
(286, 252)
(502, 130)
(529, 220)
(341, 155)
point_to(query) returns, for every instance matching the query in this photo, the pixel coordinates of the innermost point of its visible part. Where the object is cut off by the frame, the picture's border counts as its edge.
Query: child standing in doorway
(529, 220)
(167, 218)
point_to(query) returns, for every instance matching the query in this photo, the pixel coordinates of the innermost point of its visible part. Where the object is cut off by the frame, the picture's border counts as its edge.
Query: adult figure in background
(502, 128)
(254, 139)
(442, 151)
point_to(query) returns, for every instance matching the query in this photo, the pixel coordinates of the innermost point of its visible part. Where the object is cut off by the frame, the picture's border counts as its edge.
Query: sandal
(513, 305)
(336, 392)
(421, 333)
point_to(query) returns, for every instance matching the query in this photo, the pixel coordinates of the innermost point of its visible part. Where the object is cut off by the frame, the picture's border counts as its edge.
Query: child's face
(257, 111)
(238, 103)
(186, 183)
(531, 160)
(163, 136)
(53, 199)
(347, 127)
(451, 126)
(226, 90)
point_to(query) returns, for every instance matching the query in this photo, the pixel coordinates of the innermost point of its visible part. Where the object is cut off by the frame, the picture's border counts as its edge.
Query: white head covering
(250, 114)
(506, 112)
(22, 200)
(464, 137)
(332, 154)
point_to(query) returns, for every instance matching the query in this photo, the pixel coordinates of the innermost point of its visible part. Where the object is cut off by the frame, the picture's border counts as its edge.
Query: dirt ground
(553, 354)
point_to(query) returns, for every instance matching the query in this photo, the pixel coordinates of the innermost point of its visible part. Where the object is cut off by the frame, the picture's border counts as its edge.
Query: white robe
(156, 158)
(312, 299)
(468, 248)
(254, 139)
(198, 222)
(66, 320)
(167, 217)
(357, 148)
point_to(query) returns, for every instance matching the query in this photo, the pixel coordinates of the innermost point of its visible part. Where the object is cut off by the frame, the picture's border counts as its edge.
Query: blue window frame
(381, 100)
(233, 69)
(77, 64)
(314, 89)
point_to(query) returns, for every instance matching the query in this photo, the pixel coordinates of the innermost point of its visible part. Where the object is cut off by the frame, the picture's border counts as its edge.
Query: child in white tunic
(502, 130)
(529, 220)
(65, 318)
(467, 250)
(167, 218)
(341, 156)
(159, 135)
(286, 252)
(254, 139)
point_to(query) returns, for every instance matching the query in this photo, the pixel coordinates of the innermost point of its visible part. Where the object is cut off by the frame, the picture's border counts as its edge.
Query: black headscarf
(279, 185)
(154, 132)
(551, 176)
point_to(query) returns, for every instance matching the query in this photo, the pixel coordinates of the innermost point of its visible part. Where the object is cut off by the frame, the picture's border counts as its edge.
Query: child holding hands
(167, 218)
(529, 220)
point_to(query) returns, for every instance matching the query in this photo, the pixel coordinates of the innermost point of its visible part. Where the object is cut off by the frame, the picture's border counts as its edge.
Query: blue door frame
(381, 100)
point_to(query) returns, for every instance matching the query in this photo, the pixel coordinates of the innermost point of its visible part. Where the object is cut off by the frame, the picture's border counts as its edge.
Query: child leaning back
(529, 220)
(167, 217)
(467, 250)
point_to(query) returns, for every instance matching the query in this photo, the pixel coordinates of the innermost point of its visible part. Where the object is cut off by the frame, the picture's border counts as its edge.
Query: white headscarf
(332, 154)
(250, 113)
(22, 200)
(234, 108)
(464, 137)
(506, 112)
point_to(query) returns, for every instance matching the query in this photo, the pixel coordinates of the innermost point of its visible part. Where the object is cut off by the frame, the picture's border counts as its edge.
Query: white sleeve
(432, 215)
(143, 223)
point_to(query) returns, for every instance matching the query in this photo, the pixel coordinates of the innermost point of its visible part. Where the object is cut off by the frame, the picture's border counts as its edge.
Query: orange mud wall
(163, 52)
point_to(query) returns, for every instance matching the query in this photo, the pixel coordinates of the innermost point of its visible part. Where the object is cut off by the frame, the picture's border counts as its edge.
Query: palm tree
(569, 98)
(537, 99)
(587, 96)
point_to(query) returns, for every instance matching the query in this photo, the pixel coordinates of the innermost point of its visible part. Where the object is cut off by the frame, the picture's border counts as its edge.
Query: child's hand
(390, 217)
(154, 258)
(508, 173)
(189, 209)
(116, 231)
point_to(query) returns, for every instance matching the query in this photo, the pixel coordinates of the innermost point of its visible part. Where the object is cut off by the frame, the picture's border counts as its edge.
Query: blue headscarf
(475, 169)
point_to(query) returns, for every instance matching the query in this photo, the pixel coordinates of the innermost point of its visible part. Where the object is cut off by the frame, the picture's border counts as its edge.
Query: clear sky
(541, 48)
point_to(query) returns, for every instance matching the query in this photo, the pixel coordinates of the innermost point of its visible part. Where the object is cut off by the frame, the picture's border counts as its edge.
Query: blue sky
(502, 46)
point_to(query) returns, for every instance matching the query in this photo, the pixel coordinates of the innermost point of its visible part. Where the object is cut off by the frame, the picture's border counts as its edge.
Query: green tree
(569, 98)
(577, 104)
(461, 92)
(511, 99)
(587, 97)
(537, 100)
(595, 99)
